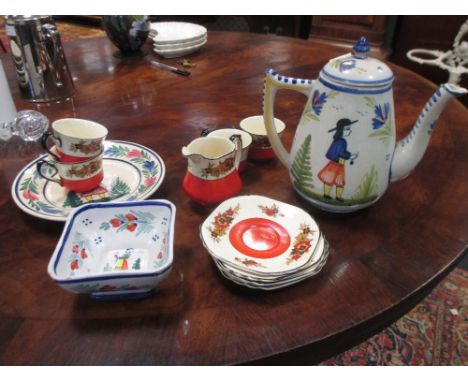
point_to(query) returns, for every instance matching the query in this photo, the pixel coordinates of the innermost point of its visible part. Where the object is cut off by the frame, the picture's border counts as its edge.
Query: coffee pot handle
(274, 82)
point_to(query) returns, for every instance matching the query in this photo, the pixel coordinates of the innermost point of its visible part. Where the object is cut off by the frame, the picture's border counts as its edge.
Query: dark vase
(128, 33)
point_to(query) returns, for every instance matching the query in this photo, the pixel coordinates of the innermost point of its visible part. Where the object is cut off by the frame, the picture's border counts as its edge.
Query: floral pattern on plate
(302, 243)
(216, 231)
(222, 221)
(272, 211)
(131, 172)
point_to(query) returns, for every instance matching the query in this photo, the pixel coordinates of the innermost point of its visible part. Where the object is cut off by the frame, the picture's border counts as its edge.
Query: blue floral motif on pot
(381, 115)
(318, 100)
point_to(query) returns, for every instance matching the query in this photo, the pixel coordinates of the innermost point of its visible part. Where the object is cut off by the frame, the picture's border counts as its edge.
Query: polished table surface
(382, 261)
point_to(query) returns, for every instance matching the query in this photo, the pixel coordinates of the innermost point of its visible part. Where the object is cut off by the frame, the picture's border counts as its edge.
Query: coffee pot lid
(357, 68)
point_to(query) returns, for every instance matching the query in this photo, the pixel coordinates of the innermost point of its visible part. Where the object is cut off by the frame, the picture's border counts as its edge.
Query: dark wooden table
(383, 259)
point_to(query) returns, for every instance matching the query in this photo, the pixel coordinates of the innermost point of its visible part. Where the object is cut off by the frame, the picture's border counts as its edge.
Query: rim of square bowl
(53, 262)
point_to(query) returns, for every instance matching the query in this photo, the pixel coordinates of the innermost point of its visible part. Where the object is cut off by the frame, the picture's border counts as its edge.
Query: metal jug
(41, 68)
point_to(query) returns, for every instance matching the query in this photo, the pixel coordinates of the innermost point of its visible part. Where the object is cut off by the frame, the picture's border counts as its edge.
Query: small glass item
(29, 125)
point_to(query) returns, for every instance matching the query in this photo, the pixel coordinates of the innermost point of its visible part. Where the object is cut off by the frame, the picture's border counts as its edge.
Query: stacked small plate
(262, 243)
(176, 39)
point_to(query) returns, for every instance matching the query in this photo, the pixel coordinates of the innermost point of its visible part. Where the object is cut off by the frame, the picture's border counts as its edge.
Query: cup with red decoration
(261, 148)
(246, 140)
(74, 139)
(82, 176)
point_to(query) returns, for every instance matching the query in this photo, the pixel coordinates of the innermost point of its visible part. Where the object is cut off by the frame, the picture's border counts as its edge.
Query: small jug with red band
(212, 173)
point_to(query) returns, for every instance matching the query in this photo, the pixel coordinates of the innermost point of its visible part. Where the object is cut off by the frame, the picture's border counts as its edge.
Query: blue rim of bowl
(53, 263)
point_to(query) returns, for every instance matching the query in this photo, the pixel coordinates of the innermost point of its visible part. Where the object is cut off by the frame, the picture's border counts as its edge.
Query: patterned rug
(435, 332)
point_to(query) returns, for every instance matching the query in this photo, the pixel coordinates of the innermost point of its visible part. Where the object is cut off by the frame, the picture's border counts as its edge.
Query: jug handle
(274, 82)
(205, 132)
(237, 140)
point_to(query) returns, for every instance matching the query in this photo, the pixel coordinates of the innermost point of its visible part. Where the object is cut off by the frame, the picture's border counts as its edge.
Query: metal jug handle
(237, 140)
(53, 36)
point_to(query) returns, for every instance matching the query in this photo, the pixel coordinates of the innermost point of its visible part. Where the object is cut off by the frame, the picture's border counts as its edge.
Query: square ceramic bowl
(115, 250)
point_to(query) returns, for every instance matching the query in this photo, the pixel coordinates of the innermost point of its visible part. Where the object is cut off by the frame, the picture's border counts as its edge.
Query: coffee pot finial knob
(361, 47)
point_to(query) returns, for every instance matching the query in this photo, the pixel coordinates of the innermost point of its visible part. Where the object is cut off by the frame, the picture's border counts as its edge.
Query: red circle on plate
(260, 238)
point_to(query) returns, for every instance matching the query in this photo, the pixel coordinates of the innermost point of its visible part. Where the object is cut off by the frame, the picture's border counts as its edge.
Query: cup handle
(205, 132)
(44, 143)
(40, 163)
(237, 140)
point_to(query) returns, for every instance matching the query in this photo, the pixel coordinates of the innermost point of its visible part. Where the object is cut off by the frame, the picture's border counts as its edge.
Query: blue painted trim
(103, 296)
(344, 80)
(451, 92)
(127, 276)
(353, 90)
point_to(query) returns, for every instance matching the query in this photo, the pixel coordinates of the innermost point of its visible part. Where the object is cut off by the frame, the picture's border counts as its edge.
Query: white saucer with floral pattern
(131, 172)
(271, 283)
(260, 236)
(315, 262)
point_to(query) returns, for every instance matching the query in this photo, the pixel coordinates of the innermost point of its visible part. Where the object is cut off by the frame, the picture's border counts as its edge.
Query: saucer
(260, 236)
(179, 52)
(131, 172)
(176, 32)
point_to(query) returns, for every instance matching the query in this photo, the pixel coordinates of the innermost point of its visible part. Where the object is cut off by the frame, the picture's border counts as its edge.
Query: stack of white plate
(176, 39)
(262, 243)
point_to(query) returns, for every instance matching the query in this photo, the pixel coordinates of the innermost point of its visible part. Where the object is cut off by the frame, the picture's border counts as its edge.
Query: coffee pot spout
(410, 150)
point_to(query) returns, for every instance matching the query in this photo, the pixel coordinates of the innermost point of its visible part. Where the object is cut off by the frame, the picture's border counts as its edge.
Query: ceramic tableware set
(173, 39)
(114, 244)
(76, 155)
(82, 166)
(216, 159)
(342, 159)
(262, 243)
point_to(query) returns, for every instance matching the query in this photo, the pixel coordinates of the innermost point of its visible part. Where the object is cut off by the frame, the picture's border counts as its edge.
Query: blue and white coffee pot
(344, 153)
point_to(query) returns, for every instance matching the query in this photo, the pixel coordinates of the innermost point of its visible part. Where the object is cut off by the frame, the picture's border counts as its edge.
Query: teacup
(246, 142)
(80, 176)
(261, 147)
(75, 139)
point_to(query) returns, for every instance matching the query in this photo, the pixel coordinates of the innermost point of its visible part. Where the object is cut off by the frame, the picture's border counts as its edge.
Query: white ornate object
(454, 61)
